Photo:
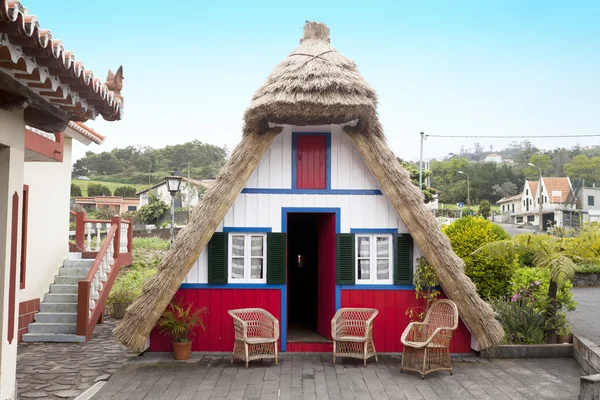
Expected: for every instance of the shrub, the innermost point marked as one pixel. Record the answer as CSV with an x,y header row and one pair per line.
x,y
129,283
589,268
125,191
152,211
522,322
425,288
75,190
105,212
96,189
490,276
485,209
180,322
534,283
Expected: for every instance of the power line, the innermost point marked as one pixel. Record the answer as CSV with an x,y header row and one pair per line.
x,y
512,137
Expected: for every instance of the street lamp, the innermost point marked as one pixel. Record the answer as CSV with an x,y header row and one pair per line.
x,y
468,190
173,186
540,199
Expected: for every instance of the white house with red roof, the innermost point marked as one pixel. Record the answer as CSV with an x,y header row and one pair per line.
x,y
45,95
554,194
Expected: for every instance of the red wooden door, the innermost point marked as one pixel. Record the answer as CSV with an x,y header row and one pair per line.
x,y
311,162
326,275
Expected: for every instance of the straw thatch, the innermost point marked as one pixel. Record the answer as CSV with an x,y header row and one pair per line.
x,y
313,85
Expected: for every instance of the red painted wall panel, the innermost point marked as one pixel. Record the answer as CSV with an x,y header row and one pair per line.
x,y
311,162
326,277
392,319
219,325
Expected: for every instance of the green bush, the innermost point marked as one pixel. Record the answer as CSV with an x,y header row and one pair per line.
x,y
75,190
534,282
105,212
152,211
492,277
125,191
589,268
522,322
128,284
96,189
485,209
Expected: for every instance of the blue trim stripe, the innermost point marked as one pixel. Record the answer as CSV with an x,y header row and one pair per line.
x,y
338,297
377,287
246,229
327,152
230,286
286,210
373,230
359,192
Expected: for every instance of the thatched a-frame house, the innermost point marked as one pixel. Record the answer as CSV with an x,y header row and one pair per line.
x,y
314,173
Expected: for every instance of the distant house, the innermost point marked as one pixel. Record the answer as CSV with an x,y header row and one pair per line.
x,y
588,201
190,192
556,197
509,206
117,203
493,157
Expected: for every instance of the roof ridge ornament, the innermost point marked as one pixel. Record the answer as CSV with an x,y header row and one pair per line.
x,y
313,56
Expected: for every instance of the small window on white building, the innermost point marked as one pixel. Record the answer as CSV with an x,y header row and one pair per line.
x,y
374,259
247,258
590,200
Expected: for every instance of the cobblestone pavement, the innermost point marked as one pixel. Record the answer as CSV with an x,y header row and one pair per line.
x,y
315,377
64,370
585,320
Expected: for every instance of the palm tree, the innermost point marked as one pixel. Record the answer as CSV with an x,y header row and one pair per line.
x,y
557,254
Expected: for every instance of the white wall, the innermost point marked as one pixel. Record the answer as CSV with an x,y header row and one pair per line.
x,y
12,135
48,222
348,171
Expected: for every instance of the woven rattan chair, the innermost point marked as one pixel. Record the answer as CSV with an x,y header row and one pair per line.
x,y
256,334
426,344
352,333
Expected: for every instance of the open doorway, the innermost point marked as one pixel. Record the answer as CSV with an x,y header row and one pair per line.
x,y
311,276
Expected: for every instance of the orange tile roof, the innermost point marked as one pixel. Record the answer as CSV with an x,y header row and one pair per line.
x,y
509,199
557,184
32,57
87,132
533,185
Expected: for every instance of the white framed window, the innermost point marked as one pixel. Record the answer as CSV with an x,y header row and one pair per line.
x,y
247,255
374,257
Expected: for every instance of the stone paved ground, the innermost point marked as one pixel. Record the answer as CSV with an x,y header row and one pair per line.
x,y
64,370
585,320
315,377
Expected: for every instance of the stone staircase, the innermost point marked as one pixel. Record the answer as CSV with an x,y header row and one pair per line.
x,y
57,319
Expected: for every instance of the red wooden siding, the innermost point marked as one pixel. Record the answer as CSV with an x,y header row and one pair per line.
x,y
326,284
392,319
219,325
311,162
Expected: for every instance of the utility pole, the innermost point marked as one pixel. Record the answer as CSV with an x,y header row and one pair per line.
x,y
421,164
540,199
468,191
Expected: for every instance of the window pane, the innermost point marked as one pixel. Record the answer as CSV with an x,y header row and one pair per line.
x,y
364,247
256,271
257,246
383,269
383,246
237,268
364,269
237,246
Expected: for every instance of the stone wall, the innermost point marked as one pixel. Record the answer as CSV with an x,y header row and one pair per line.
x,y
586,279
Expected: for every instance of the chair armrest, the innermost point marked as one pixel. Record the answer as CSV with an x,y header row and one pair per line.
x,y
412,327
275,329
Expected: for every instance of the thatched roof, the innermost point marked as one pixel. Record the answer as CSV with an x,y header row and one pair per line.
x,y
313,85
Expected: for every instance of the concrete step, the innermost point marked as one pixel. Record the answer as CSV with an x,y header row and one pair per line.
x,y
63,288
60,298
56,317
74,255
82,263
67,280
51,327
74,271
58,307
50,337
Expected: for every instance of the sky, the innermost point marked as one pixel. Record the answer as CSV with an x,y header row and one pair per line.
x,y
439,67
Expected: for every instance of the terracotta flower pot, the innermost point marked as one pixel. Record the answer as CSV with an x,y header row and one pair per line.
x,y
182,350
564,339
119,309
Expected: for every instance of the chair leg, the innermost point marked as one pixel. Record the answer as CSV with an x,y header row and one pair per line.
x,y
233,352
246,351
334,348
365,353
374,351
276,363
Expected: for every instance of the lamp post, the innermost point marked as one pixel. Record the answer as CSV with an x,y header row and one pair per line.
x,y
540,199
173,186
468,190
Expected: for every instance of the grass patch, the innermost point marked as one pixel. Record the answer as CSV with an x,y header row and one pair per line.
x,y
111,185
150,243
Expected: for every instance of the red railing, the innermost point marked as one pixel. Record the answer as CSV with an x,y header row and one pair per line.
x,y
111,253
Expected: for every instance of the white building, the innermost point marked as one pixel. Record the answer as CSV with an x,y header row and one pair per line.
x,y
509,206
556,197
493,157
42,86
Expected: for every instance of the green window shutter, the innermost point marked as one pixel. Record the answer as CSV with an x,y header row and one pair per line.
x,y
217,259
345,259
403,262
276,258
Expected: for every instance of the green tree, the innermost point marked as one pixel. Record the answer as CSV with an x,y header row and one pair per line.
x,y
506,189
75,190
584,167
151,212
413,170
485,209
125,191
542,161
96,189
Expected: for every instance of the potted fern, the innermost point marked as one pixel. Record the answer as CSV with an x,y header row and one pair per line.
x,y
180,323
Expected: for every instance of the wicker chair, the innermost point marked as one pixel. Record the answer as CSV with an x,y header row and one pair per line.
x,y
426,344
352,333
256,334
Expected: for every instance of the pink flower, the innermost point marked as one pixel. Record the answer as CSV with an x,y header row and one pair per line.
x,y
537,282
515,297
